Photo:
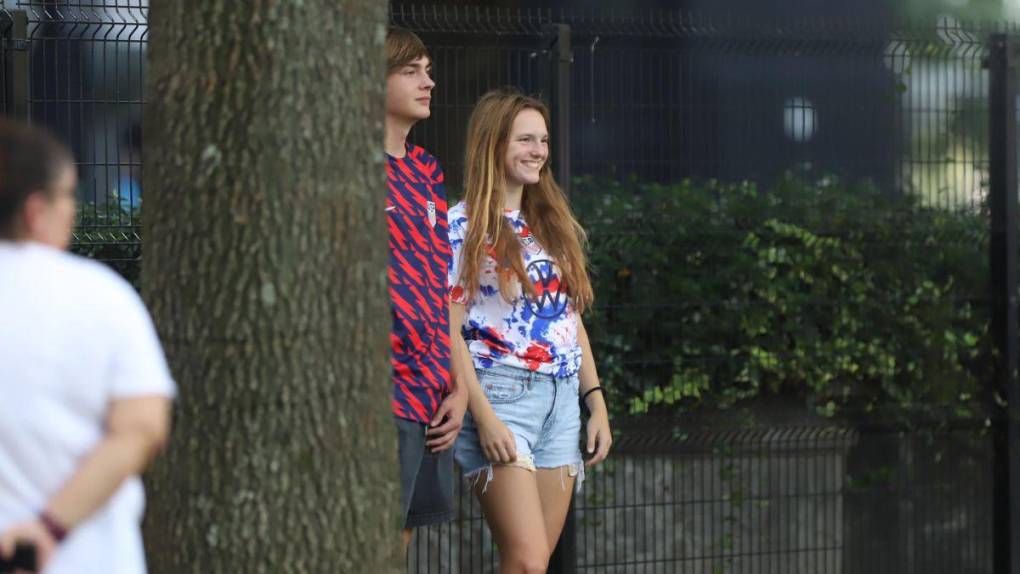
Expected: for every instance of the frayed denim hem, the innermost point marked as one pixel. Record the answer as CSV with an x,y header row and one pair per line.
x,y
471,478
574,469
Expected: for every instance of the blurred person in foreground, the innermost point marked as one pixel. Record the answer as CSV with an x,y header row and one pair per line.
x,y
85,392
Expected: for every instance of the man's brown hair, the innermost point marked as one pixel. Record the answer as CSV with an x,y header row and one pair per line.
x,y
402,47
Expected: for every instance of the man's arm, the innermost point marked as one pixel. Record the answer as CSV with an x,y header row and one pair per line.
x,y
446,424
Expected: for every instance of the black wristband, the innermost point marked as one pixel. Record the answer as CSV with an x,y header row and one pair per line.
x,y
57,530
584,397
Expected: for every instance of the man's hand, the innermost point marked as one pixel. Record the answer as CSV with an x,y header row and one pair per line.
x,y
445,425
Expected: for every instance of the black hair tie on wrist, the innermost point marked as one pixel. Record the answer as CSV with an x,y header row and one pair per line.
x,y
598,388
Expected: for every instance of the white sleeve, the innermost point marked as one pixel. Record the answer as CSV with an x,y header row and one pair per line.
x,y
137,365
457,223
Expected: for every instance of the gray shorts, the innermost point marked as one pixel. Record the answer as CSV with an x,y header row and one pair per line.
x,y
426,479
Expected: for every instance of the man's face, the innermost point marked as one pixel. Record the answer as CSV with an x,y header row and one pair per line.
x,y
50,216
409,91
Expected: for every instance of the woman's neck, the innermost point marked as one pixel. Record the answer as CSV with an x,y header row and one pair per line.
x,y
512,196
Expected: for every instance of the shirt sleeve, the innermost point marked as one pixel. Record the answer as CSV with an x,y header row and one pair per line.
x,y
138,366
458,228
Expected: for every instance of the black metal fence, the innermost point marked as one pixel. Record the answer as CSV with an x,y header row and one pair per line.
x,y
674,95
701,285
78,68
776,499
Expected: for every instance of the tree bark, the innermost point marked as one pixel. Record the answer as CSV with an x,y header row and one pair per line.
x,y
265,270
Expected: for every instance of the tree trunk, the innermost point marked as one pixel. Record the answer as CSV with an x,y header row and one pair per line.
x,y
265,269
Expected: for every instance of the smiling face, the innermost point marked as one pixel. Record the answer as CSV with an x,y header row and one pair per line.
x,y
527,148
409,91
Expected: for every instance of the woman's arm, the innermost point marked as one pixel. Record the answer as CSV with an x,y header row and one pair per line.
x,y
600,438
136,429
496,440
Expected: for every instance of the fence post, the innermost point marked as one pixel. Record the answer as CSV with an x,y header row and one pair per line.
x,y
564,557
1003,266
561,59
15,63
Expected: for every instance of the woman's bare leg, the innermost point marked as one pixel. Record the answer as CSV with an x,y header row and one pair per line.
x,y
555,486
513,509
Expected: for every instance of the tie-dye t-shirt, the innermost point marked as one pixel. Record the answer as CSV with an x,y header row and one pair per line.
x,y
536,334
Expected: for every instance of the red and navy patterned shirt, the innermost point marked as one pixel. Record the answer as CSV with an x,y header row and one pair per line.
x,y
419,258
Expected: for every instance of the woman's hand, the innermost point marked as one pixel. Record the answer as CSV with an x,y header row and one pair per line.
x,y
497,441
600,438
32,532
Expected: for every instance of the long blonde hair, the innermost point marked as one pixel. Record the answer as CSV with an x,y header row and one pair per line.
x,y
543,205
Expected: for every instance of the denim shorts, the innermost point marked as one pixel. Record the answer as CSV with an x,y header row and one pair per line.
x,y
541,411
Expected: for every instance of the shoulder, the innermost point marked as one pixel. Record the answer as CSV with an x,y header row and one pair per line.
x,y
457,215
459,209
96,278
457,221
425,162
420,154
68,266
69,278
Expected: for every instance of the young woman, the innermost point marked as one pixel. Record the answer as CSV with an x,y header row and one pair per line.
x,y
518,286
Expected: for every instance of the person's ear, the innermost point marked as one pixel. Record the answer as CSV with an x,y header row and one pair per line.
x,y
34,212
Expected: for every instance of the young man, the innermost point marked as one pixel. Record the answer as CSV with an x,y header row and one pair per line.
x,y
427,406
84,388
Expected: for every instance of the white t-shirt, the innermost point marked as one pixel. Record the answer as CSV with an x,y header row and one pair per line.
x,y
73,336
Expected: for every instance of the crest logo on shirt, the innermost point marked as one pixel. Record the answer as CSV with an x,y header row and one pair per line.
x,y
530,245
550,300
432,213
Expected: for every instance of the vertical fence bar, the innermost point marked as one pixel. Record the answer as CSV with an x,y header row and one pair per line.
x,y
6,31
561,59
1003,252
15,64
564,557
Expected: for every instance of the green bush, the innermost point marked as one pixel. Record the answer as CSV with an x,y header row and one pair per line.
x,y
709,294
109,234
